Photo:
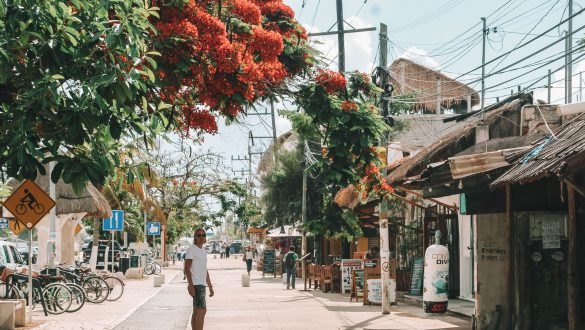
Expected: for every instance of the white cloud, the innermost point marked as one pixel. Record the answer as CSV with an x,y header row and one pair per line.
x,y
419,56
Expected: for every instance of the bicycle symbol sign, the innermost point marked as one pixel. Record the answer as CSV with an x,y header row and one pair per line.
x,y
29,203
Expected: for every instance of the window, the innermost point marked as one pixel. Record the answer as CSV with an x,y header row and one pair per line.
x,y
4,256
16,255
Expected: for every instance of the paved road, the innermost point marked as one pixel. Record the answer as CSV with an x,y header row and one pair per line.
x,y
266,304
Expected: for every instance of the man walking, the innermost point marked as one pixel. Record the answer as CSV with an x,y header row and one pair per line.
x,y
195,269
290,264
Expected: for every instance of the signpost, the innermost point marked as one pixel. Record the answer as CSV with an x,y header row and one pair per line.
x,y
153,228
112,224
29,204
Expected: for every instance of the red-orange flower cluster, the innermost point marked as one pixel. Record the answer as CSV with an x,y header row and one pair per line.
x,y
209,60
332,81
373,182
349,106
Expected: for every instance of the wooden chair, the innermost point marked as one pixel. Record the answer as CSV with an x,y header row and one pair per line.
x,y
318,273
326,278
311,274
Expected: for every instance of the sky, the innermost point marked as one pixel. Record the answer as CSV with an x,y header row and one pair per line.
x,y
445,35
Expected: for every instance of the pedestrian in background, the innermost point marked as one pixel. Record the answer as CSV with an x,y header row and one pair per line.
x,y
221,251
290,264
248,256
178,251
195,269
227,251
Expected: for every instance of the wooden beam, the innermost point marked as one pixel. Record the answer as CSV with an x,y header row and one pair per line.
x,y
509,229
573,270
569,181
450,207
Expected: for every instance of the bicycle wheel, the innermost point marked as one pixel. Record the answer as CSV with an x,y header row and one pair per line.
x,y
77,297
116,287
57,298
96,289
10,291
149,269
157,268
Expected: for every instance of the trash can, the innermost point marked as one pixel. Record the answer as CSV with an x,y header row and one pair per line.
x,y
124,264
134,262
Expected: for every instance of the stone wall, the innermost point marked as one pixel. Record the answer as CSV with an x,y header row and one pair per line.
x,y
532,119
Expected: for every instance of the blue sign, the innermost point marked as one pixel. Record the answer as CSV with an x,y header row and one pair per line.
x,y
153,228
3,223
115,222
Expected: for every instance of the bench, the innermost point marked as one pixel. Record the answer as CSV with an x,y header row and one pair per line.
x,y
12,313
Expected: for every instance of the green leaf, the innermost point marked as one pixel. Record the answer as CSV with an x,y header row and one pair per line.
x,y
57,170
57,77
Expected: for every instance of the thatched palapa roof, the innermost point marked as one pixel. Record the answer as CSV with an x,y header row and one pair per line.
x,y
89,201
286,141
430,85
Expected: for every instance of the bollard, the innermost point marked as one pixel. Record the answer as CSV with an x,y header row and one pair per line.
x,y
245,280
157,281
162,278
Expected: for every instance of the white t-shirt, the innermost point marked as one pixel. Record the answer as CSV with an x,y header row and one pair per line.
x,y
199,265
249,255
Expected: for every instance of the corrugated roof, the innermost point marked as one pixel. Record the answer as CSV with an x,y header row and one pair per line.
x,y
456,141
551,155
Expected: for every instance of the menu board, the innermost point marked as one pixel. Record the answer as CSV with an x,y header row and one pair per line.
x,y
347,268
416,277
268,261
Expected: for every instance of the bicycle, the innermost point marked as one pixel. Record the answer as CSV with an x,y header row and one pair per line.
x,y
95,289
152,267
55,297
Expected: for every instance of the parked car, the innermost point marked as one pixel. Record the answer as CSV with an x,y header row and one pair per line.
x,y
9,256
102,252
235,247
23,249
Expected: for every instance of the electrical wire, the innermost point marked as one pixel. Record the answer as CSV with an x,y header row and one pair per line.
x,y
525,36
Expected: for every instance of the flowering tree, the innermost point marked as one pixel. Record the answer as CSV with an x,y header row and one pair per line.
x,y
341,112
77,76
221,56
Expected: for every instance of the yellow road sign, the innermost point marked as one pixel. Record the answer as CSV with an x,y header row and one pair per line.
x,y
16,226
29,203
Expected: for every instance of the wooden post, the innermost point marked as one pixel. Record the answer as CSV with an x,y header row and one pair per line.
x,y
438,106
511,260
572,272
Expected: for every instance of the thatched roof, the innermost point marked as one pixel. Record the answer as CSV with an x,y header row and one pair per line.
x,y
89,201
502,121
409,77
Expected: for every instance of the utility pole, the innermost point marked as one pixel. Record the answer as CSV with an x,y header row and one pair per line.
x,y
340,36
483,65
341,31
383,214
569,58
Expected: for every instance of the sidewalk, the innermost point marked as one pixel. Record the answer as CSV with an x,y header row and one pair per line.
x,y
101,316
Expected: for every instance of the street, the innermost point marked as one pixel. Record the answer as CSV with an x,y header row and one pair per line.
x,y
266,304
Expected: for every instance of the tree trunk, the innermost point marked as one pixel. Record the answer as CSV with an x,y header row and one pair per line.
x,y
96,231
